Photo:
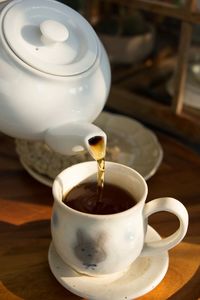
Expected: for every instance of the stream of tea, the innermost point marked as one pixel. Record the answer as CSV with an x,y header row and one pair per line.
x,y
97,198
98,151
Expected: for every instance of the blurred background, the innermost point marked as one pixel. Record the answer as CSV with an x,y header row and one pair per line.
x,y
154,50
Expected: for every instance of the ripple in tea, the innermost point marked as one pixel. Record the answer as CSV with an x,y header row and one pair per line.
x,y
84,198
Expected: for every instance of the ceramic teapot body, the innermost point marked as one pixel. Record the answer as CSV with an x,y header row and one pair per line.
x,y
34,103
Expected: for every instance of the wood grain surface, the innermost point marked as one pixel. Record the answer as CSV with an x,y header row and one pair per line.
x,y
25,211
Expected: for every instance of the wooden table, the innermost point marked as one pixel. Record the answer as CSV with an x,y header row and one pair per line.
x,y
25,210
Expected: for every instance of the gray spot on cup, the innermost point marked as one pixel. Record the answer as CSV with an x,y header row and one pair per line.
x,y
55,219
88,250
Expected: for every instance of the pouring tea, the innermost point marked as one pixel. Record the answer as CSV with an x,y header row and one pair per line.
x,y
55,75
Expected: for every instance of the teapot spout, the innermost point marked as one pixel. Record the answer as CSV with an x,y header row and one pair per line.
x,y
74,137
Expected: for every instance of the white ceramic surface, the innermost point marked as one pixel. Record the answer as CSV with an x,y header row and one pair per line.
x,y
50,37
46,85
129,143
95,244
143,276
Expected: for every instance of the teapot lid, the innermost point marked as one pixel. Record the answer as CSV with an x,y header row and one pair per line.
x,y
49,36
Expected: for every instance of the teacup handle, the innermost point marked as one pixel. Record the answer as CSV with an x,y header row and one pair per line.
x,y
175,207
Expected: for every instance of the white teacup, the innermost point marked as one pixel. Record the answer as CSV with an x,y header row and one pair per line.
x,y
97,245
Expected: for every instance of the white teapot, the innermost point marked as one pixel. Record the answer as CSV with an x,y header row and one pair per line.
x,y
54,75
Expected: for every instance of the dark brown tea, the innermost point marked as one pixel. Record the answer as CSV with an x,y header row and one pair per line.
x,y
84,198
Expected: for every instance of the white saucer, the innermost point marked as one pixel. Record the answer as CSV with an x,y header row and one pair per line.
x,y
143,276
39,177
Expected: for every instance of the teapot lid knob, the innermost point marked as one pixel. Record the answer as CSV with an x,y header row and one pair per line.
x,y
53,31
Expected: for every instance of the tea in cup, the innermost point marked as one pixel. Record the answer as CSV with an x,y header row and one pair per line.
x,y
105,238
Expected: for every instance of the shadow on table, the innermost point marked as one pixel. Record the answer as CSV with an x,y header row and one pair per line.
x,y
24,271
